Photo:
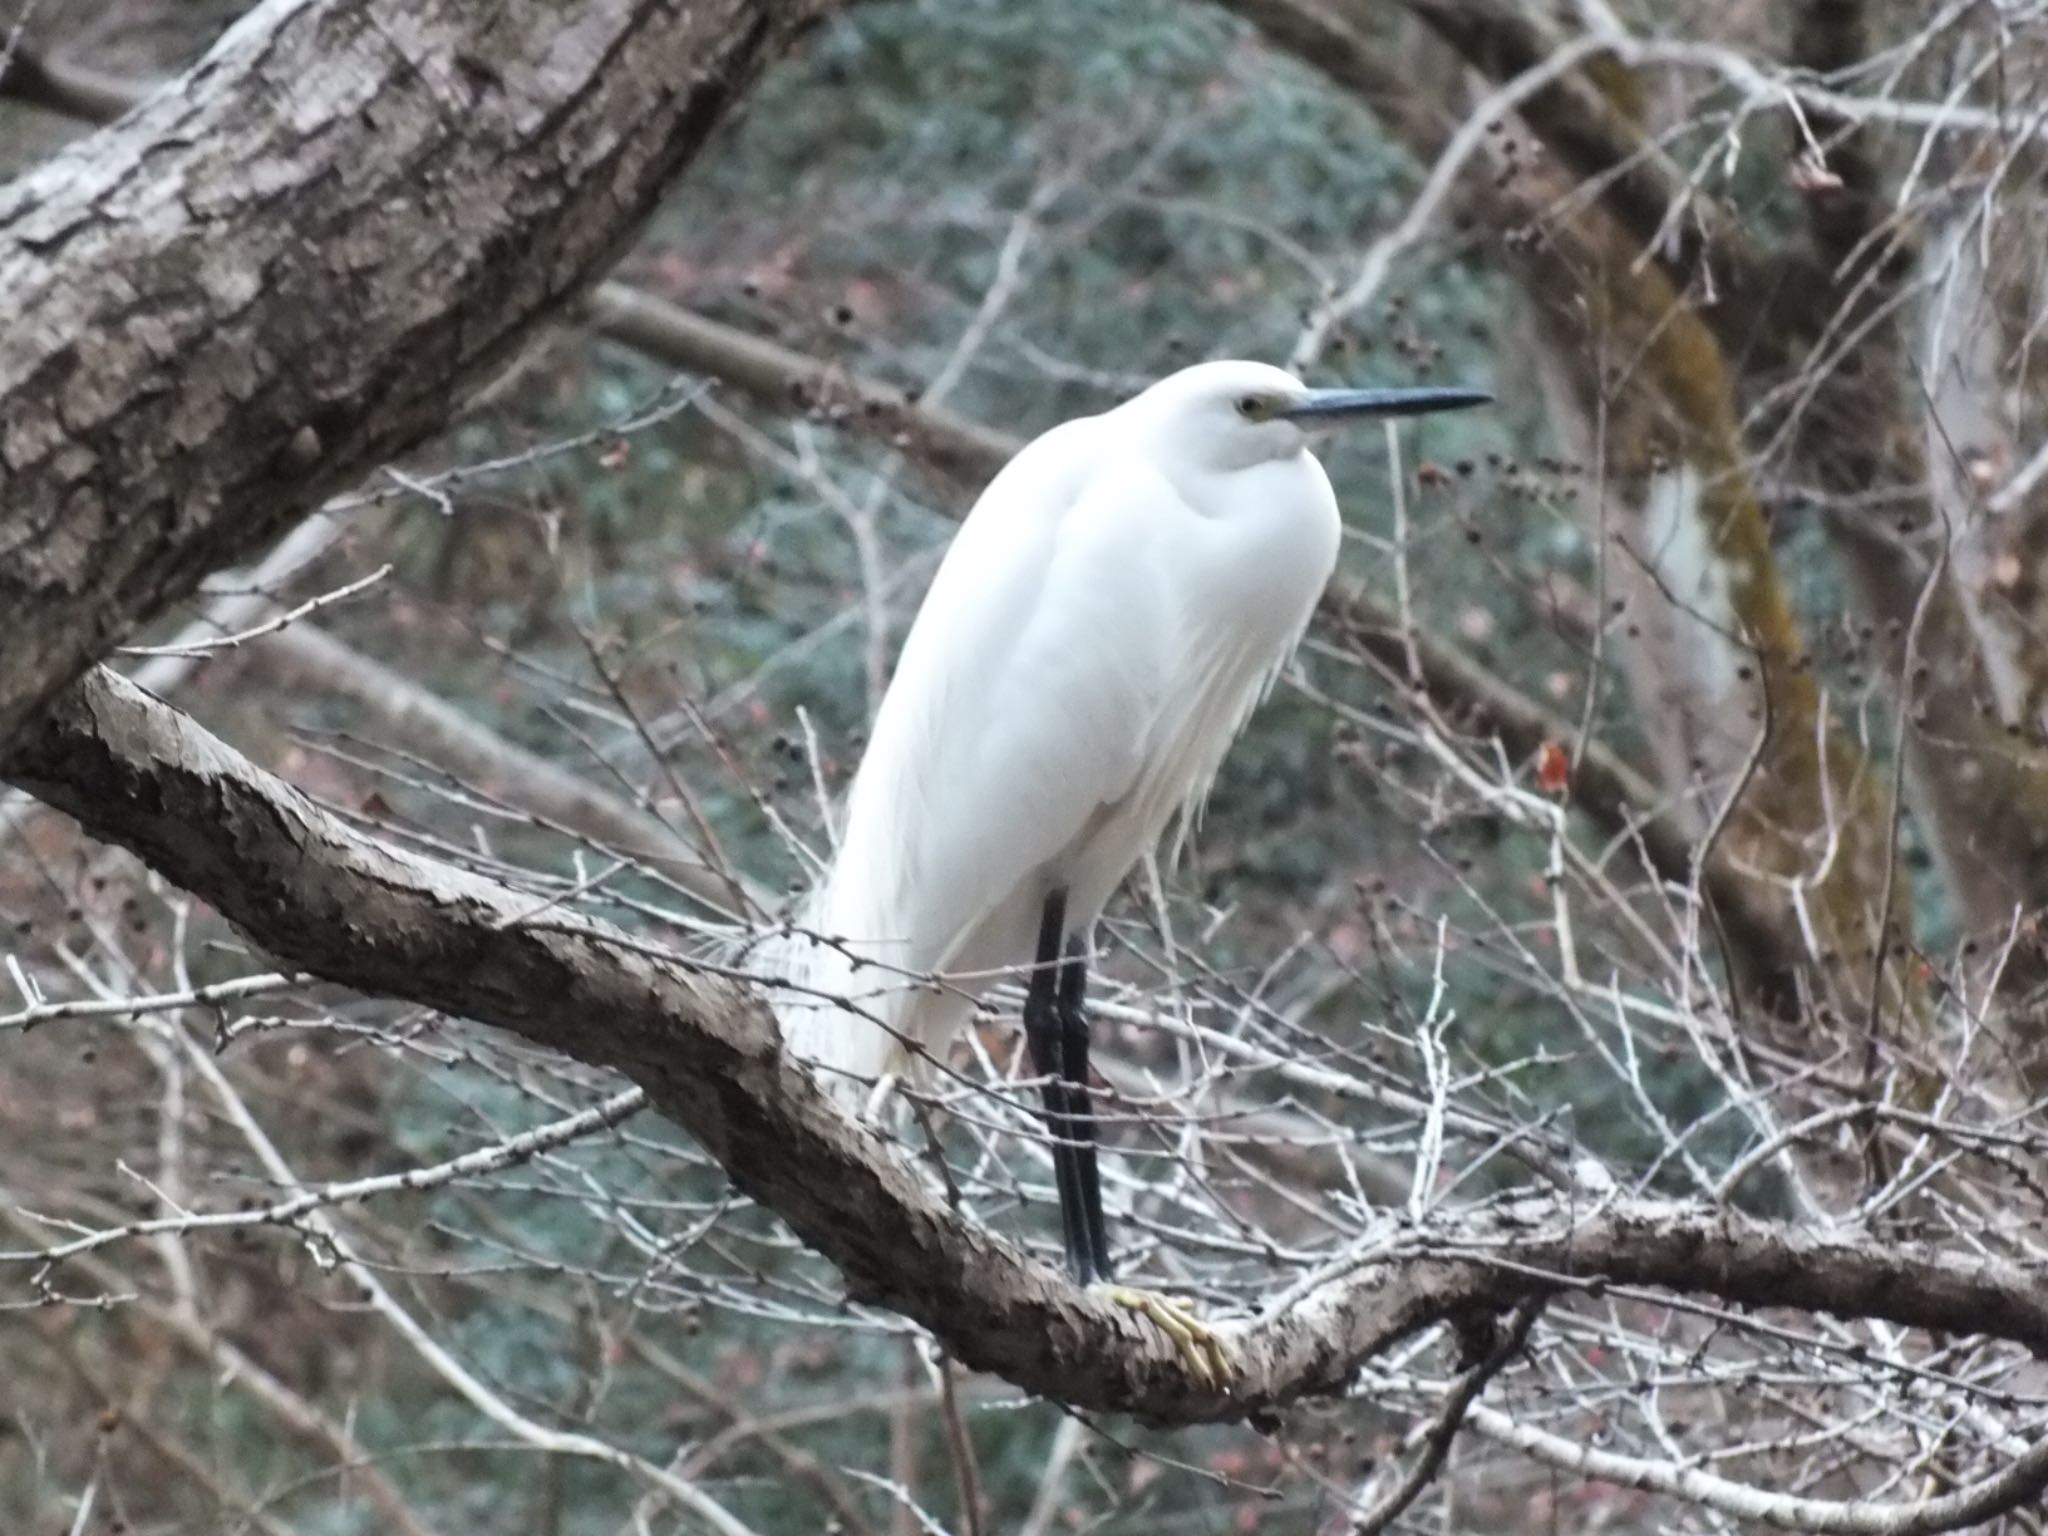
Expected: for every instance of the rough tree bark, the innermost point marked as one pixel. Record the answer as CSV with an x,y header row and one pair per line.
x,y
292,263
332,901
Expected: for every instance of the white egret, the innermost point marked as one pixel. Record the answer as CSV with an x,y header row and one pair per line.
x,y
1118,599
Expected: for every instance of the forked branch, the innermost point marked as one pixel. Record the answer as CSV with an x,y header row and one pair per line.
x,y
339,904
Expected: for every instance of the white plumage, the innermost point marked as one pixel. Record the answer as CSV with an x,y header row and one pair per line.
x,y
1110,611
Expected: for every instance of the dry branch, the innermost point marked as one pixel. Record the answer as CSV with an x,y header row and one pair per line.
x,y
456,742
963,449
1863,438
344,906
1690,236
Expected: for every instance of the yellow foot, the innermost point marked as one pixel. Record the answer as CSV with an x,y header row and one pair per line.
x,y
1176,1318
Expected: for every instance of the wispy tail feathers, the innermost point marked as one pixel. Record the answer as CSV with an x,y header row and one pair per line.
x,y
835,1010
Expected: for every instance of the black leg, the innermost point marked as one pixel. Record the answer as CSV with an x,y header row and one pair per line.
x,y
1074,1059
1045,1036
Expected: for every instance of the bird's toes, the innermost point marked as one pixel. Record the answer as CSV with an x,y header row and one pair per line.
x,y
1197,1343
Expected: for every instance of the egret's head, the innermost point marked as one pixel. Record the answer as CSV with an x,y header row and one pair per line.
x,y
1236,414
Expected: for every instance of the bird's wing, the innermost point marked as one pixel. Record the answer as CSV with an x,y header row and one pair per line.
x,y
1029,686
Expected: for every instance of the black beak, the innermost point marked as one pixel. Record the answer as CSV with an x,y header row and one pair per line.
x,y
1333,404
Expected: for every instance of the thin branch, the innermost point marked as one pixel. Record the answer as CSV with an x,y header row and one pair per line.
x,y
2018,1484
453,740
332,901
508,1153
270,626
1444,1428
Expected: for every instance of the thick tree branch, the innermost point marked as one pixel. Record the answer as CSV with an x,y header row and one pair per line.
x,y
1689,235
344,906
294,262
962,449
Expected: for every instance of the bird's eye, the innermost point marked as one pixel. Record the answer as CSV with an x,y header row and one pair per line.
x,y
1251,408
